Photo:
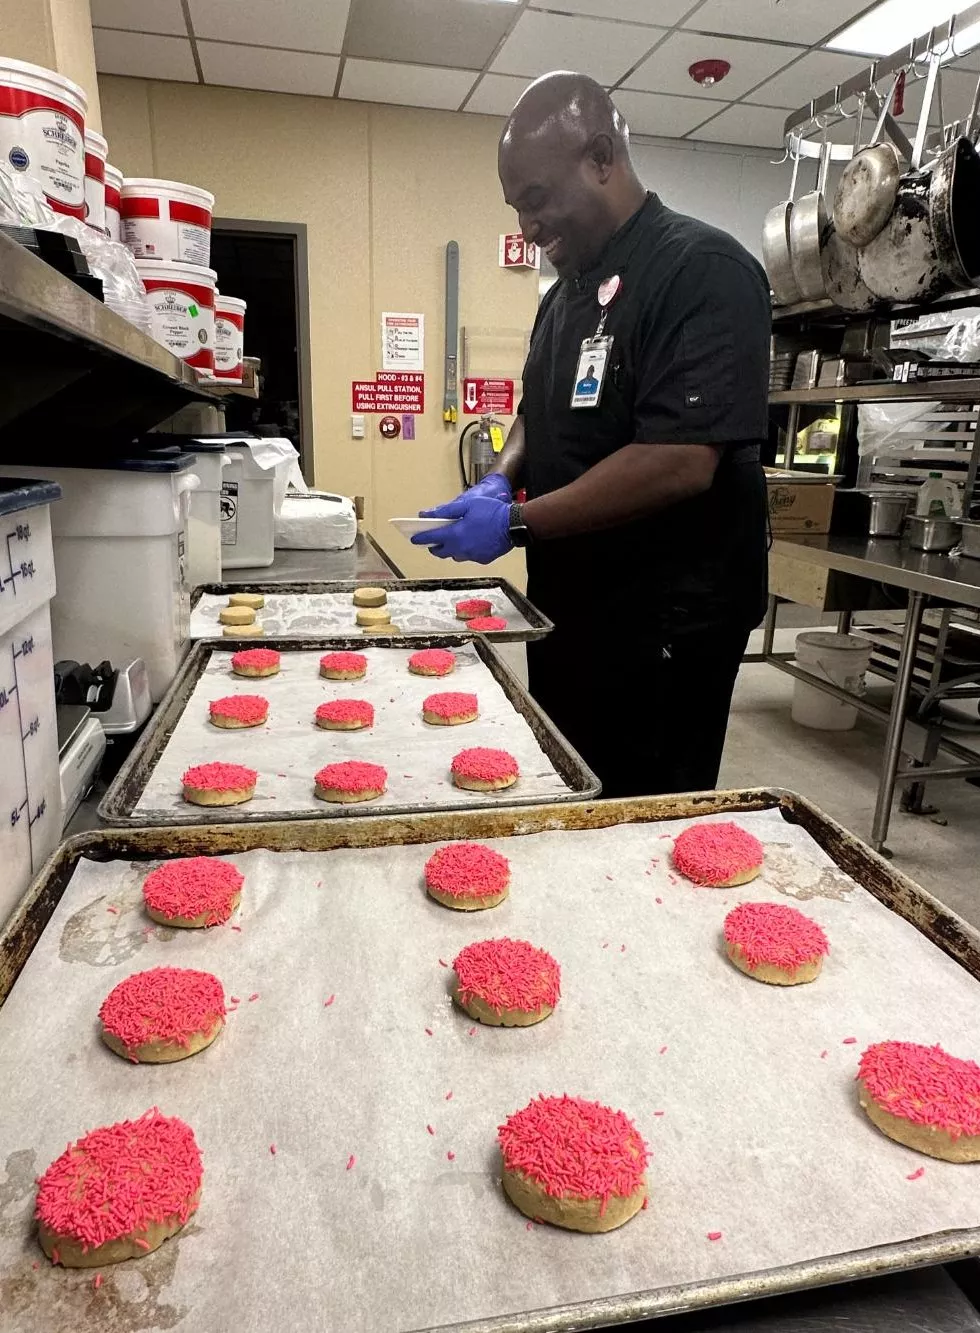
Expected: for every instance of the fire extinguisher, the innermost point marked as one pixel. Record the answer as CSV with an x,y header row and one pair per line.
x,y
481,455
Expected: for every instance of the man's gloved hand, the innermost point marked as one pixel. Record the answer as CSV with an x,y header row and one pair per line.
x,y
481,531
494,484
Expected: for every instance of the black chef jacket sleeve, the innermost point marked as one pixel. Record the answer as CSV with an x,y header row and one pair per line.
x,y
702,355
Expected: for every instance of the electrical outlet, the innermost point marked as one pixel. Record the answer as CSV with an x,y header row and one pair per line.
x,y
357,426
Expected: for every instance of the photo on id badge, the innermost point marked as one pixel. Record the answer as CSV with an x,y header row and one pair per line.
x,y
590,372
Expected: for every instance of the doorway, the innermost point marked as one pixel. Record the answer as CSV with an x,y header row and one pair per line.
x,y
265,264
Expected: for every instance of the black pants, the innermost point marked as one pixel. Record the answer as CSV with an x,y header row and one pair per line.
x,y
647,717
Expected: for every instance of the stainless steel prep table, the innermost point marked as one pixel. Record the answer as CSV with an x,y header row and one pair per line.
x,y
928,579
363,561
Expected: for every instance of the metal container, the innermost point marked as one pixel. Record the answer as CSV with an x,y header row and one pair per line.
x,y
970,538
886,513
932,534
871,512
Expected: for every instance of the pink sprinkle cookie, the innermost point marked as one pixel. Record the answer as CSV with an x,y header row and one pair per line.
x,y
119,1191
163,1015
573,1163
239,710
350,781
432,662
345,715
506,983
473,606
467,876
255,662
486,624
718,855
450,709
219,784
343,666
923,1097
192,891
775,943
481,769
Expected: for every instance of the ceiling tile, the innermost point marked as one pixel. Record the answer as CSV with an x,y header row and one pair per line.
x,y
137,16
815,73
417,31
744,124
665,71
496,94
272,71
778,20
405,85
656,113
298,25
543,42
143,57
663,14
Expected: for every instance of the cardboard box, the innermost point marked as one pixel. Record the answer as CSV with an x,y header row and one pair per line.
x,y
799,502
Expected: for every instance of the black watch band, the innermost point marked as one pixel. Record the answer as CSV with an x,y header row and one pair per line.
x,y
520,534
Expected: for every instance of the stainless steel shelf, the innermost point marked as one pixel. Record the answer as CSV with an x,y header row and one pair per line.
x,y
951,301
922,391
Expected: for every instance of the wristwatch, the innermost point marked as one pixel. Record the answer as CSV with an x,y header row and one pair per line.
x,y
520,533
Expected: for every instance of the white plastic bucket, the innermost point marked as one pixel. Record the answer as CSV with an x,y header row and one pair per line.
x,y
841,659
248,510
229,338
113,188
166,220
180,299
96,152
42,132
204,515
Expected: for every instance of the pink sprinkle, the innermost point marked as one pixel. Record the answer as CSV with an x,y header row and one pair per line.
x,y
234,999
443,963
714,1235
823,1055
849,1041
319,884
648,872
622,948
663,1050
658,1113
529,1226
238,929
450,1156
431,1130
654,860
917,1175
449,1095
35,1264
471,1032
147,930
272,1149
646,1204
428,1032
97,1281
606,945
143,1244
672,878
609,877
254,995
280,775
350,1161
113,910
659,902
327,1003
664,835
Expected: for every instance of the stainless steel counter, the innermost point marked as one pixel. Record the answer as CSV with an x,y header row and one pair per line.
x,y
364,560
954,579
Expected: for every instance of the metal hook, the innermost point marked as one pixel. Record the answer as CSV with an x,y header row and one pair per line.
x,y
839,109
778,161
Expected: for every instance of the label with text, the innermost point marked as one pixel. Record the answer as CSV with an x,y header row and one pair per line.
x,y
481,396
396,391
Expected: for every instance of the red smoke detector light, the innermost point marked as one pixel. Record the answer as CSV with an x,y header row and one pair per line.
x,y
708,72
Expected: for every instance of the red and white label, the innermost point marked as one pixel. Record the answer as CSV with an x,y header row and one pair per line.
x,y
182,319
390,391
44,139
229,349
166,229
481,396
95,191
513,251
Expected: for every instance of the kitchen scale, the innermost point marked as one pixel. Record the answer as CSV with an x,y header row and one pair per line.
x,y
81,746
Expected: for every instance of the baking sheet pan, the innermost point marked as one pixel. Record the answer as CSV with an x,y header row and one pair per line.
x,y
760,1137
418,607
289,749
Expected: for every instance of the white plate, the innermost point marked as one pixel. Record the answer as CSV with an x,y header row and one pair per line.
x,y
408,527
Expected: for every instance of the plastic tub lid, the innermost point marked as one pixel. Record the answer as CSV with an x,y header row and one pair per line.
x,y
23,493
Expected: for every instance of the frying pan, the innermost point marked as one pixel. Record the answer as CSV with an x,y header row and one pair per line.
x,y
868,185
838,257
775,245
806,227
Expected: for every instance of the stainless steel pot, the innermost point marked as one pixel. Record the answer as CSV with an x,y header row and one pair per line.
x,y
970,538
932,534
886,513
806,228
868,185
776,254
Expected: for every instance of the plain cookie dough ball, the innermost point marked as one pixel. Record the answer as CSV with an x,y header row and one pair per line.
x,y
370,597
253,599
243,631
236,615
373,615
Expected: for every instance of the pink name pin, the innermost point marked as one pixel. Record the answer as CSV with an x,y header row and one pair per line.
x,y
609,290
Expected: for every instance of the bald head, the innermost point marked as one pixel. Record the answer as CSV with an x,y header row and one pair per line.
x,y
564,164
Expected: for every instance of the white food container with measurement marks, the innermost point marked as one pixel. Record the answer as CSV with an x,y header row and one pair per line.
x,y
253,486
119,538
30,787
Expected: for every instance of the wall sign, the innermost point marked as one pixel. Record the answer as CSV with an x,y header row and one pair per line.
x,y
514,252
389,391
482,395
402,341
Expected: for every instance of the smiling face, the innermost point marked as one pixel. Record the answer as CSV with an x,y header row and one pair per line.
x,y
557,191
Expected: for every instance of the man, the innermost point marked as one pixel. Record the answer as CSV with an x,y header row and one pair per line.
x,y
645,523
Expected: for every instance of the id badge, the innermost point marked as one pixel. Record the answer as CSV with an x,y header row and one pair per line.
x,y
590,371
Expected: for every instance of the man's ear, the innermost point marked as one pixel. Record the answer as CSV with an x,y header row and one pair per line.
x,y
602,156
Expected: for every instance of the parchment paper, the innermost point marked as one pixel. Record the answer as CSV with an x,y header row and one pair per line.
x,y
320,614
760,1138
290,748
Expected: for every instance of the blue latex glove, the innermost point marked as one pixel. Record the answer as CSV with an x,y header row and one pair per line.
x,y
494,484
481,531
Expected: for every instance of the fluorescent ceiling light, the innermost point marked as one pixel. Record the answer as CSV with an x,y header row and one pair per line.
x,y
895,23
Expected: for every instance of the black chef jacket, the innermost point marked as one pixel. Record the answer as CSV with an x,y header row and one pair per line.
x,y
689,365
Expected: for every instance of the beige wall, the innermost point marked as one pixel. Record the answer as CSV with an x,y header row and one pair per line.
x,y
381,189
58,35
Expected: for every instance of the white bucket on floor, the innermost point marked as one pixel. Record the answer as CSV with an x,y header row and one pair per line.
x,y
42,129
113,188
180,299
229,338
96,152
841,659
167,220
